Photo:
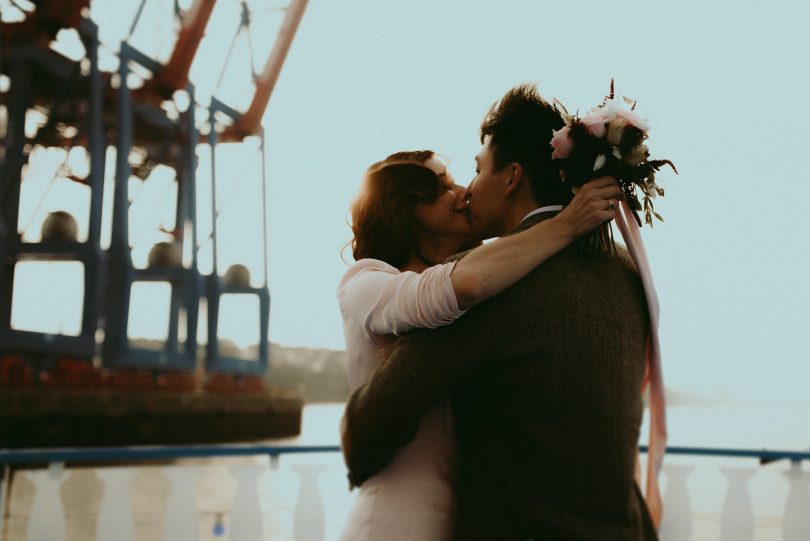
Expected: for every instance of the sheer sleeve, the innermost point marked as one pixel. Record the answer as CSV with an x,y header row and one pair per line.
x,y
383,300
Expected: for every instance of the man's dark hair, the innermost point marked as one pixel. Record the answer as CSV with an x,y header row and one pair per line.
x,y
520,124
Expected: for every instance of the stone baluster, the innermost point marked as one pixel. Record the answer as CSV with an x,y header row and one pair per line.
x,y
81,494
796,524
46,522
677,521
182,522
246,522
149,496
308,521
115,520
5,479
737,518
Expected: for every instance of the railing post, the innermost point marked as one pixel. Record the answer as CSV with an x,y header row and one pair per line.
x,y
309,515
81,492
737,518
46,521
796,524
182,522
246,516
5,484
115,520
677,522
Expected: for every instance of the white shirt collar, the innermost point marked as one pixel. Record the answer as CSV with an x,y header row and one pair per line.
x,y
549,208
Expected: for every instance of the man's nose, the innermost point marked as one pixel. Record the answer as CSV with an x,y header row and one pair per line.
x,y
468,192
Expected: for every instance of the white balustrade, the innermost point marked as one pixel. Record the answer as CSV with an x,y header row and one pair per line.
x,y
182,522
81,492
47,505
306,498
5,476
796,526
676,524
737,517
246,516
115,520
309,515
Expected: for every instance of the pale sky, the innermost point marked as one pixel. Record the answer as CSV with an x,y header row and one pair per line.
x,y
723,84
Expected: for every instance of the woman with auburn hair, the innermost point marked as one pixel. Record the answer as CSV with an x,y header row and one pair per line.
x,y
408,218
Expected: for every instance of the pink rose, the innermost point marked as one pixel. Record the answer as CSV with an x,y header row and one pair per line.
x,y
561,143
595,122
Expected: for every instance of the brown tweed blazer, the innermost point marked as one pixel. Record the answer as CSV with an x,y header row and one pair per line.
x,y
544,382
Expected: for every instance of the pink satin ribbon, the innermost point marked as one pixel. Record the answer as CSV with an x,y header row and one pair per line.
x,y
653,376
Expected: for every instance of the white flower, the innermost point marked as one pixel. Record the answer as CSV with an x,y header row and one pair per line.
x,y
616,108
612,107
616,130
633,119
599,162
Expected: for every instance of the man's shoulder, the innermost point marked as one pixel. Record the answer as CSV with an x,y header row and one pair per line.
x,y
624,259
621,257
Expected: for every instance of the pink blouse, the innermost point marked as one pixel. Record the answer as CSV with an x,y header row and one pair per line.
x,y
412,498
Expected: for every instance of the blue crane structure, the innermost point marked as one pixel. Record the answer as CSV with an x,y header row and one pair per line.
x,y
144,116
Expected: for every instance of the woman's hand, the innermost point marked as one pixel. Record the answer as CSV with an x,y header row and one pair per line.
x,y
592,205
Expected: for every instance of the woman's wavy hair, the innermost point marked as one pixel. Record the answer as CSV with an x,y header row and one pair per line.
x,y
383,221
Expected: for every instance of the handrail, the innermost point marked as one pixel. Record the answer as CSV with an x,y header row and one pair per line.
x,y
117,454
764,455
137,453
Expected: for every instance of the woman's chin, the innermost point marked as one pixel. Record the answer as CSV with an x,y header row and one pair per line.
x,y
468,244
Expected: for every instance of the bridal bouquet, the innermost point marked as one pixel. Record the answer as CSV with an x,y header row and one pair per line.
x,y
609,140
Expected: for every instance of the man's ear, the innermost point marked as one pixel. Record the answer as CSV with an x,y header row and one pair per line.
x,y
516,179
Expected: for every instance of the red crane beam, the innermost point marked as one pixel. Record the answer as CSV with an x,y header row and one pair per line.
x,y
250,122
174,75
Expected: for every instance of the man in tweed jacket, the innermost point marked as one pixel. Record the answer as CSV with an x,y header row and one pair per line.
x,y
544,379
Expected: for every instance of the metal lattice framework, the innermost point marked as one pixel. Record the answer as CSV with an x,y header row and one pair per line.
x,y
149,108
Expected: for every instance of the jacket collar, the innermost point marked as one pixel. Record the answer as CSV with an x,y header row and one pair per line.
x,y
534,219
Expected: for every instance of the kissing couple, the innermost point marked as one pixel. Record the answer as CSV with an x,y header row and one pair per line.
x,y
497,388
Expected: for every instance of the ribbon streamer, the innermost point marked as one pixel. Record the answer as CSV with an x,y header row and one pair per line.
x,y
653,376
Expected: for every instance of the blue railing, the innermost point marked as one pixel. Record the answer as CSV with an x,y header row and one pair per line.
x,y
709,493
126,454
764,455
